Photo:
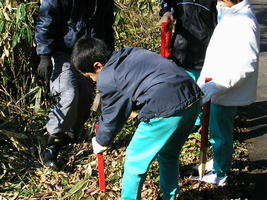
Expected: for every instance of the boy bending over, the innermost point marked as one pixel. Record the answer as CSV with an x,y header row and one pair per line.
x,y
168,101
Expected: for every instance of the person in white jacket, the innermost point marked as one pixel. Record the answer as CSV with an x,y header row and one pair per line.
x,y
232,62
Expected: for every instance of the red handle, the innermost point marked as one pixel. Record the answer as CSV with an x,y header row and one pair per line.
x,y
101,167
205,122
166,35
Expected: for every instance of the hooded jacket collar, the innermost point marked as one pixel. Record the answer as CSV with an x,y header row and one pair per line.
x,y
226,11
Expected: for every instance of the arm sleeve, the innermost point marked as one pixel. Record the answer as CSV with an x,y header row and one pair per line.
x,y
49,17
230,61
116,108
244,56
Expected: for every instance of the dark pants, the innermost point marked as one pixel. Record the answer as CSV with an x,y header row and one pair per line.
x,y
74,94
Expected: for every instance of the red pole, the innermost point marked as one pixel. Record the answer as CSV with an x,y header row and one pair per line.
x,y
166,34
204,136
205,122
101,167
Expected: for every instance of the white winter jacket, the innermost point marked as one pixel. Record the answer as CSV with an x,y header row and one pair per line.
x,y
232,56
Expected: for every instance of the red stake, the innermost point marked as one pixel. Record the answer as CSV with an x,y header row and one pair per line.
x,y
204,137
166,35
101,167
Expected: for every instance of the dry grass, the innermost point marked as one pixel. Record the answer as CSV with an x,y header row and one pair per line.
x,y
23,175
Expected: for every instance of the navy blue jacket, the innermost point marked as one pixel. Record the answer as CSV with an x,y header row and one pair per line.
x,y
138,79
62,22
195,23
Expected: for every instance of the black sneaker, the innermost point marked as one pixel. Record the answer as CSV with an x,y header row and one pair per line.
x,y
50,156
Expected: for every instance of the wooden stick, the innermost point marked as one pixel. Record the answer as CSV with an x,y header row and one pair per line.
x,y
204,137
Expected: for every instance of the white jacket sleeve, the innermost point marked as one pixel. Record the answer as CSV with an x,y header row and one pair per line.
x,y
232,54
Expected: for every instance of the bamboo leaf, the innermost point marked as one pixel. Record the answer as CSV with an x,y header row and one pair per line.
x,y
78,195
29,34
23,11
15,138
4,171
12,187
2,26
37,97
64,180
18,14
15,40
16,194
32,91
79,186
117,18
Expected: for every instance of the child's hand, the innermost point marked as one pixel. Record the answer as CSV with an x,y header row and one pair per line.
x,y
210,89
166,17
97,147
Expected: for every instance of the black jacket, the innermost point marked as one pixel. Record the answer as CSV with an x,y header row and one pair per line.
x,y
62,22
195,22
138,79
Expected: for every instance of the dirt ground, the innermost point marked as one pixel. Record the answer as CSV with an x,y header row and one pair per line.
x,y
254,131
254,135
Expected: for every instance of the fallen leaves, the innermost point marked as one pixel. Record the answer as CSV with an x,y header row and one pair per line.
x,y
24,177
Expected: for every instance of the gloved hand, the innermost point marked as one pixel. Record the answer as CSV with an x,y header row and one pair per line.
x,y
210,89
45,67
97,147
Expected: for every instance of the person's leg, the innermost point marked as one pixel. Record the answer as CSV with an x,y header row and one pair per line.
x,y
195,75
168,157
62,117
85,100
221,137
64,87
148,140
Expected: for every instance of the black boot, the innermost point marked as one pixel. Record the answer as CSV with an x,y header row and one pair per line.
x,y
69,139
50,157
51,151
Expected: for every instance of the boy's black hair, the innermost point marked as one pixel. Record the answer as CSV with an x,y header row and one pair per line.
x,y
87,51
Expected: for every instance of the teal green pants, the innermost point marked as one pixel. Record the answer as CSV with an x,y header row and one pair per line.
x,y
195,75
161,138
221,137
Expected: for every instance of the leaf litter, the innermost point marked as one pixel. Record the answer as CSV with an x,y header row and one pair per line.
x,y
23,176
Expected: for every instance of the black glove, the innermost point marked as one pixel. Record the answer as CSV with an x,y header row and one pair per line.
x,y
45,67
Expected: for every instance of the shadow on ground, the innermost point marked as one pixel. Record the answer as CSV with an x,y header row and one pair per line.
x,y
252,130
260,10
252,121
